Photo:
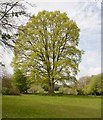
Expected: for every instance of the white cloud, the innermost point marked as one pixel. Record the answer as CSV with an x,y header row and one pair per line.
x,y
91,63
88,72
6,58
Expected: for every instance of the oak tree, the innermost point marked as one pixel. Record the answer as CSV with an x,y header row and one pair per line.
x,y
47,48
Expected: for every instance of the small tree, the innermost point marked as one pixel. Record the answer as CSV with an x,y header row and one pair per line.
x,y
21,81
83,81
7,86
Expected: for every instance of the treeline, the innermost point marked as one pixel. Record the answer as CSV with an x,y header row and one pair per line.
x,y
20,84
90,85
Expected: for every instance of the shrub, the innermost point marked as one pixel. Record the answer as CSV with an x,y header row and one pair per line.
x,y
14,91
6,82
45,87
5,91
10,91
80,92
36,89
32,90
8,88
56,87
66,90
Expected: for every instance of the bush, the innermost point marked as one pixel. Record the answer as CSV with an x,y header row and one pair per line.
x,y
56,87
45,87
66,90
14,91
6,82
10,91
32,90
80,92
36,89
5,91
8,88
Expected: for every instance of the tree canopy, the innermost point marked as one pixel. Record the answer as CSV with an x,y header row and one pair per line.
x,y
47,48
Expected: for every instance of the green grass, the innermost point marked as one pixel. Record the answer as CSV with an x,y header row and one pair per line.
x,y
38,106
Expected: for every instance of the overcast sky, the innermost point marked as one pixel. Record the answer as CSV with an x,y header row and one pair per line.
x,y
87,15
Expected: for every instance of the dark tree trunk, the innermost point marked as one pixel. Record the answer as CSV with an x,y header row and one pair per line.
x,y
26,91
51,86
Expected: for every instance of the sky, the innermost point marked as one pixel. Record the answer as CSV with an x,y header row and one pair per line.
x,y
87,15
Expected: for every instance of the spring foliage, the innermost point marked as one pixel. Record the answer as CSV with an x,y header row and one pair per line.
x,y
47,48
20,81
95,85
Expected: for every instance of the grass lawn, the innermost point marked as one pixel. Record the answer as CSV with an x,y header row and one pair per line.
x,y
38,106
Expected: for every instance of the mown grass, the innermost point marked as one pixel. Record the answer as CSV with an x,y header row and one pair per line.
x,y
38,106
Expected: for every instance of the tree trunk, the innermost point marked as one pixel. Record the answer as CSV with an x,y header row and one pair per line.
x,y
26,91
51,87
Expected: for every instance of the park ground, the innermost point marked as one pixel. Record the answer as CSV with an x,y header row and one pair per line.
x,y
41,106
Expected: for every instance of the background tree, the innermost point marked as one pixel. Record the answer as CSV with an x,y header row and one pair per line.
x,y
7,85
83,81
20,81
47,48
10,12
94,87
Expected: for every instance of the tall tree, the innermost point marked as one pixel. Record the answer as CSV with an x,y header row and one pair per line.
x,y
47,48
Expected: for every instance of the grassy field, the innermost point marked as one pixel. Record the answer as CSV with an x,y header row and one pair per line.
x,y
38,106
